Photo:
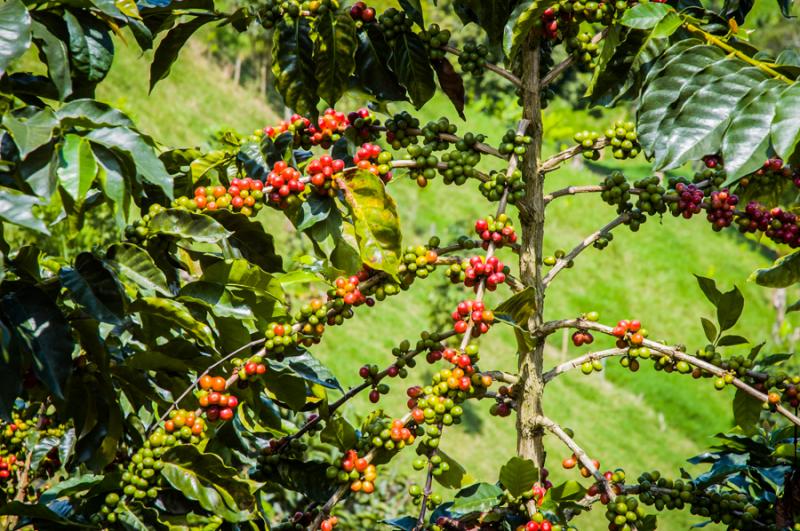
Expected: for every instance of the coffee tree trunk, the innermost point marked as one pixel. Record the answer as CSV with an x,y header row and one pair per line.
x,y
529,436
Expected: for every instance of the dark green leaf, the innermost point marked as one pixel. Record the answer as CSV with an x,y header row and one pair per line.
x,y
786,124
746,411
71,486
413,9
729,341
334,54
39,513
43,332
730,308
216,298
784,272
521,22
15,32
17,208
177,314
249,240
133,264
518,475
413,68
41,449
372,69
77,167
241,273
309,368
170,46
90,45
377,226
709,329
786,8
32,132
293,64
90,114
57,55
645,16
339,433
251,157
311,212
303,477
491,16
205,479
95,288
568,491
709,288
737,10
477,498
454,476
188,225
451,83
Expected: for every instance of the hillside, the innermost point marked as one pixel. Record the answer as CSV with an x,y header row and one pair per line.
x,y
637,421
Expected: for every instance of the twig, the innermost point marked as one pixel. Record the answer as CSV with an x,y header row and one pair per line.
x,y
672,352
577,362
403,163
427,492
573,190
502,376
566,63
555,161
447,137
589,240
502,72
556,430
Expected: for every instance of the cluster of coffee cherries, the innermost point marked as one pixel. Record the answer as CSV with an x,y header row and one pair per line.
x,y
542,524
558,254
616,191
287,184
623,140
328,524
772,175
388,434
322,172
473,57
651,196
370,373
269,13
629,333
394,23
425,164
218,404
397,130
777,224
572,462
584,50
499,231
360,12
416,492
249,368
436,39
493,188
8,466
550,19
491,271
721,208
582,337
474,313
513,143
279,337
463,360
329,128
243,195
355,470
364,122
372,158
460,165
687,200
587,139
184,424
433,131
625,513
417,262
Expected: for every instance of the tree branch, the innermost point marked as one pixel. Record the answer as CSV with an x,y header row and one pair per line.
x,y
427,492
555,161
566,63
502,72
589,240
580,360
670,351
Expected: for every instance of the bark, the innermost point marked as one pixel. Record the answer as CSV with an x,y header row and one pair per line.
x,y
529,435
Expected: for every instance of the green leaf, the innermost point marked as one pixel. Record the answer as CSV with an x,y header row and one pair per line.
x,y
746,411
307,367
311,212
170,46
303,477
91,114
205,479
188,225
70,486
334,54
33,132
709,329
645,16
95,288
491,16
133,516
41,449
785,128
730,308
709,288
339,433
452,84
732,340
133,264
216,298
454,477
570,490
177,314
57,55
15,32
43,332
520,307
90,45
372,70
241,273
477,498
377,226
209,161
132,144
293,64
784,272
413,68
17,209
77,167
667,26
39,513
249,240
413,10
518,475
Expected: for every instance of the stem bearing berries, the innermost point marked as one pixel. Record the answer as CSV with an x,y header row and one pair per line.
x,y
436,39
720,209
394,23
8,467
419,262
347,290
313,315
689,200
584,50
472,313
493,188
372,158
582,337
354,470
629,333
279,337
250,368
185,425
286,185
617,191
625,513
587,139
361,13
321,173
397,130
651,196
514,143
473,58
490,270
425,164
623,140
499,231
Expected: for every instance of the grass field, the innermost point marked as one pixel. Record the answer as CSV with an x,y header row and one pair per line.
x,y
637,421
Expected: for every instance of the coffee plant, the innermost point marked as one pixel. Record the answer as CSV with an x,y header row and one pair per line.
x,y
165,378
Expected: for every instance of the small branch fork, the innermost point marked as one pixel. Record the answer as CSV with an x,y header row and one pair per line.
x,y
584,459
589,240
427,492
672,352
554,162
561,67
502,72
577,362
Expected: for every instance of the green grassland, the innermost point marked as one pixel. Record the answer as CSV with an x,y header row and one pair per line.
x,y
637,421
